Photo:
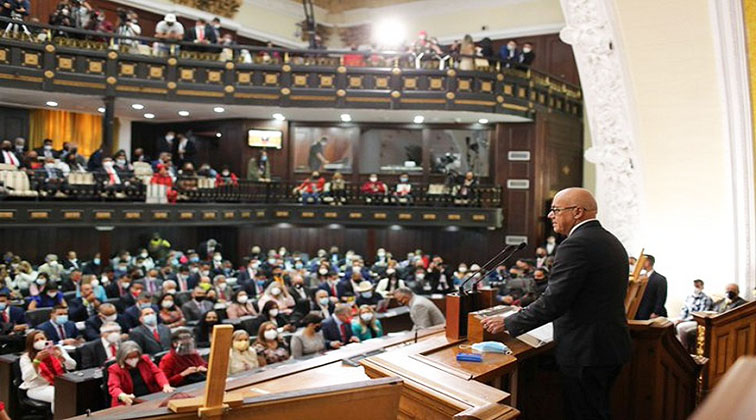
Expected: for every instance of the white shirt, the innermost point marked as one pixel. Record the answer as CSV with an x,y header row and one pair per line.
x,y
30,376
106,345
580,224
10,158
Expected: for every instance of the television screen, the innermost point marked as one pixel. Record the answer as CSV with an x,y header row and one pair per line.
x,y
264,138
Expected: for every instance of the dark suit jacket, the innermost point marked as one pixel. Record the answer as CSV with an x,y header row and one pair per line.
x,y
654,297
142,336
202,250
331,331
17,315
93,324
190,35
92,354
585,300
51,331
19,158
41,152
77,311
132,314
164,146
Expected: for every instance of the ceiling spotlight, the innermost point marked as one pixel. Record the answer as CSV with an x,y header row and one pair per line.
x,y
149,116
419,119
218,135
219,109
389,33
51,103
138,107
483,121
183,113
101,110
346,117
278,116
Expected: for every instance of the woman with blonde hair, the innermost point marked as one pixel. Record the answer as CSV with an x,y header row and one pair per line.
x,y
279,294
269,344
242,356
366,326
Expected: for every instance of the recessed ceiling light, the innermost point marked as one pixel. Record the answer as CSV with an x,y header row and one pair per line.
x,y
183,113
419,119
219,135
346,117
278,116
149,116
101,110
51,103
483,121
138,107
219,109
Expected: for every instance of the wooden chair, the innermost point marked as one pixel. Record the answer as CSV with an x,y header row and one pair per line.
x,y
636,287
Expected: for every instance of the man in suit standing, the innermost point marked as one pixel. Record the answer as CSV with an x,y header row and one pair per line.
x,y
652,304
96,353
152,337
202,34
208,248
59,329
585,300
423,312
337,330
167,143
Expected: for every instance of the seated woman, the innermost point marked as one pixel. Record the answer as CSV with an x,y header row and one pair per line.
x,y
40,365
24,278
403,191
388,284
366,326
311,188
134,375
465,191
226,178
240,306
170,313
373,191
163,177
49,297
242,357
279,294
336,189
183,365
271,313
308,340
270,345
204,329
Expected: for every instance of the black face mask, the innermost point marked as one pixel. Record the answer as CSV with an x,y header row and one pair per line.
x,y
317,329
731,295
199,298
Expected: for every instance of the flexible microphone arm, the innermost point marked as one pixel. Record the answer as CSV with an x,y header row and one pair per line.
x,y
472,273
515,251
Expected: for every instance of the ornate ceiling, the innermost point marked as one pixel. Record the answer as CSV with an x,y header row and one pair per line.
x,y
337,6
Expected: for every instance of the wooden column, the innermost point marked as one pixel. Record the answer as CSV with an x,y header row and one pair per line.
x,y
108,126
215,390
106,240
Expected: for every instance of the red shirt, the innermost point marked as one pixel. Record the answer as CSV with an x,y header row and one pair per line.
x,y
173,364
310,186
119,379
376,187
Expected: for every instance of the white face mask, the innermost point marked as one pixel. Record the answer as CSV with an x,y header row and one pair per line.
x,y
271,334
132,362
94,283
167,304
111,318
373,179
113,338
40,345
390,271
367,317
273,313
323,271
217,258
243,299
526,50
275,291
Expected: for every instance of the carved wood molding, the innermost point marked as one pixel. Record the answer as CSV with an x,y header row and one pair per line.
x,y
225,8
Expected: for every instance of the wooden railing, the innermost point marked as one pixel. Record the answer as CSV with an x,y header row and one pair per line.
x,y
723,338
735,397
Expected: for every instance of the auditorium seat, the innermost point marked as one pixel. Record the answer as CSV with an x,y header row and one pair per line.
x,y
32,409
81,184
38,316
156,194
17,183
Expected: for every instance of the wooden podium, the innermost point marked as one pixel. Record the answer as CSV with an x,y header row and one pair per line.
x,y
459,306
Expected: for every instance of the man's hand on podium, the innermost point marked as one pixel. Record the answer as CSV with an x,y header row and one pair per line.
x,y
495,323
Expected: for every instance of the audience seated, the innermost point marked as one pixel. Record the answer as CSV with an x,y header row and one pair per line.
x,y
183,365
134,375
366,325
149,335
95,353
322,304
240,306
105,313
134,312
309,340
48,297
269,312
686,327
170,314
59,329
203,332
374,191
337,329
732,299
387,285
197,306
12,326
311,188
242,357
269,344
280,295
365,294
41,363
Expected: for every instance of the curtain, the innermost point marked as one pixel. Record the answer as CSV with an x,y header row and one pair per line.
x,y
83,130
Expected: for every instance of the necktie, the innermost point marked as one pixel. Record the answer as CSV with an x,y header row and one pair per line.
x,y
61,332
5,317
183,284
333,289
343,333
156,334
112,351
200,34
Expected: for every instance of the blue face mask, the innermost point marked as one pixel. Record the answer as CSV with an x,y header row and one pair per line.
x,y
3,305
491,347
150,320
96,261
367,295
194,259
144,305
61,319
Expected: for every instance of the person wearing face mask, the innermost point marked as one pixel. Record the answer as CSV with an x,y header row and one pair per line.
x,y
242,357
279,294
143,301
686,326
197,306
373,191
170,314
96,353
309,340
85,305
183,365
25,277
105,313
204,330
241,306
509,54
387,285
732,299
119,289
12,325
52,267
9,156
226,178
59,329
207,249
365,294
134,375
366,325
222,290
151,336
336,189
121,163
337,329
403,191
460,275
525,59
655,296
40,364
270,312
322,304
94,266
50,179
269,345
311,188
298,292
48,297
47,150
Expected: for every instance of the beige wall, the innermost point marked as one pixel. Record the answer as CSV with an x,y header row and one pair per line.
x,y
687,207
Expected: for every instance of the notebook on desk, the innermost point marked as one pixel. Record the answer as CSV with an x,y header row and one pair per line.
x,y
538,337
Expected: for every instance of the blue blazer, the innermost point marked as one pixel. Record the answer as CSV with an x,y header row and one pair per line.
x,y
133,313
331,331
94,323
51,331
17,315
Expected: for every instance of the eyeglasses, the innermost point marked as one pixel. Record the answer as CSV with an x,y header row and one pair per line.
x,y
557,210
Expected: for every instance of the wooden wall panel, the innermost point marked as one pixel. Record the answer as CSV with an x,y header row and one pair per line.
x,y
14,122
553,56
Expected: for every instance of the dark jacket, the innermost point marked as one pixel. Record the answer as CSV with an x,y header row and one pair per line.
x,y
331,331
143,336
51,331
92,354
653,298
93,324
585,300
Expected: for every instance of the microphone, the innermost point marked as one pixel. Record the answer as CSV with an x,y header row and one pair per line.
x,y
512,254
472,273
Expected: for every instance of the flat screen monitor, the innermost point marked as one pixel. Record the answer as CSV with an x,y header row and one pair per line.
x,y
264,138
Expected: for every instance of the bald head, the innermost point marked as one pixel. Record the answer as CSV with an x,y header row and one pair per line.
x,y
570,207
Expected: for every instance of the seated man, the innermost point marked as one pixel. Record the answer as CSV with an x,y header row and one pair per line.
x,y
133,312
733,299
130,298
12,326
183,365
50,178
84,306
373,191
152,337
403,190
311,188
322,304
465,191
423,312
59,329
96,353
50,298
105,313
197,306
337,330
365,294
687,328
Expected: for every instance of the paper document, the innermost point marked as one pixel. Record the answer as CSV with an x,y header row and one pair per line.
x,y
539,336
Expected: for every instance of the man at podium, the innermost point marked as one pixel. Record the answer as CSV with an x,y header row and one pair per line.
x,y
585,300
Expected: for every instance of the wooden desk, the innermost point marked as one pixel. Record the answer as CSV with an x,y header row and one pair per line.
x,y
76,392
7,391
395,319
